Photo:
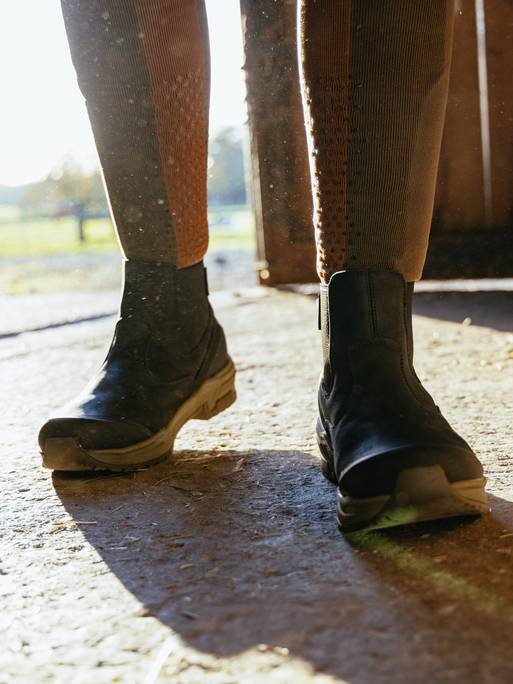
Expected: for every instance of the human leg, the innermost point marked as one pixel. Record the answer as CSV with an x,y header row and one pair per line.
x,y
143,68
374,79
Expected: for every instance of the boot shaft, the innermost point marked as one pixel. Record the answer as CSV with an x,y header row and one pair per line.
x,y
167,300
362,305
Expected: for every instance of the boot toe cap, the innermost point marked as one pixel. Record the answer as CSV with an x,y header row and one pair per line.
x,y
378,475
94,433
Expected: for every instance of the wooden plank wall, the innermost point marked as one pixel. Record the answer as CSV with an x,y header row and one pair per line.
x,y
279,158
499,38
470,236
459,201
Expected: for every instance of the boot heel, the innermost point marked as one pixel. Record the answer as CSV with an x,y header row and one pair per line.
x,y
326,454
217,394
210,409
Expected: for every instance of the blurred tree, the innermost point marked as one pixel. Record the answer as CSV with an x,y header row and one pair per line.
x,y
78,194
36,199
70,191
67,191
226,177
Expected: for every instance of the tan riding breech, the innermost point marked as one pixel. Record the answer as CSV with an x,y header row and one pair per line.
x,y
374,82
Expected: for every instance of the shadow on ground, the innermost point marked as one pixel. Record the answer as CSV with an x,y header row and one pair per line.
x,y
492,309
232,549
489,308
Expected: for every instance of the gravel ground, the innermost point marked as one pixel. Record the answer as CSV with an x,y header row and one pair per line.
x,y
224,564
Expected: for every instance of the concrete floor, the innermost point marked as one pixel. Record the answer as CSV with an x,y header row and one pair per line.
x,y
224,564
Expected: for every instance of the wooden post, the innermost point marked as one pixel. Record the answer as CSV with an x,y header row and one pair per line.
x,y
459,202
279,160
472,233
499,57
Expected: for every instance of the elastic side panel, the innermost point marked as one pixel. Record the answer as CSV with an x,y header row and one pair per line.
x,y
350,314
389,301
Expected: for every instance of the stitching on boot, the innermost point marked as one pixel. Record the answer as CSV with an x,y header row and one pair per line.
x,y
372,301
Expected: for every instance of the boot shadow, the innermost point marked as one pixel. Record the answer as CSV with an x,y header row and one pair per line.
x,y
232,549
491,309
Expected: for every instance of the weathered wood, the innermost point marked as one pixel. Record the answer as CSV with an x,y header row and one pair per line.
x,y
279,160
459,201
468,238
499,43
470,254
471,236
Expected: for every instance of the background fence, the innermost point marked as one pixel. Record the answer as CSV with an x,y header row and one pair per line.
x,y
472,233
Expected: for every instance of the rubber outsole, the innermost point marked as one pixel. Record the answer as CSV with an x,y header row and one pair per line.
x,y
420,494
215,395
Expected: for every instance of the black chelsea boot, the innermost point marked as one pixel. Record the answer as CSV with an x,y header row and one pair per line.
x,y
384,442
167,363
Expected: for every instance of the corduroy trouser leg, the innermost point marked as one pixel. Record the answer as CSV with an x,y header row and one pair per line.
x,y
143,67
374,78
375,75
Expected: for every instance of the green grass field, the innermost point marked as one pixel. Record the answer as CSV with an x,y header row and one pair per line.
x,y
230,228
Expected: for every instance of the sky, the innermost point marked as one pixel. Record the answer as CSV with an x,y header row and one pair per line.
x,y
42,113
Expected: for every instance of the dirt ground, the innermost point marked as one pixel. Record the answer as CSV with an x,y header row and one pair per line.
x,y
224,565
